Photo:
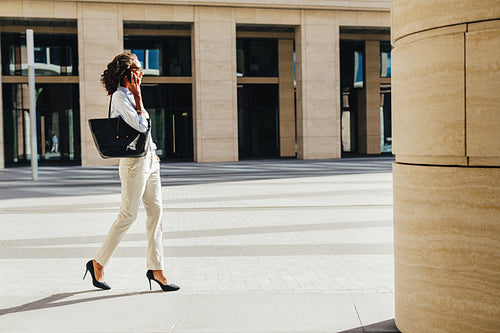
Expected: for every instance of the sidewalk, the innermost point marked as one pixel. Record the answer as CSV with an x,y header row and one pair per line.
x,y
261,246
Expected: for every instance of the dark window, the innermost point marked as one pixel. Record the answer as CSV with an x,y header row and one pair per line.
x,y
257,57
352,63
162,56
54,54
258,120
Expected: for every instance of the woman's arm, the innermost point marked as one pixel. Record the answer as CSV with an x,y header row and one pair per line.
x,y
134,87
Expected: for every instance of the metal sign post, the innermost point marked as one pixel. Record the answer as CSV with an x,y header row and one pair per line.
x,y
31,87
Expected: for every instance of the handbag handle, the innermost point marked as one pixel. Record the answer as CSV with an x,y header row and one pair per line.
x,y
109,116
109,108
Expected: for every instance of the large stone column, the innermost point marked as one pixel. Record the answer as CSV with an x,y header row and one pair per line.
x,y
214,85
318,95
446,129
100,39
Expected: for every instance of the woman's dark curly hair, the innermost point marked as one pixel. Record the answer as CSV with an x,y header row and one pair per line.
x,y
117,69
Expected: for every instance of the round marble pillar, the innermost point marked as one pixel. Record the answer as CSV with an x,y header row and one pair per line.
x,y
446,134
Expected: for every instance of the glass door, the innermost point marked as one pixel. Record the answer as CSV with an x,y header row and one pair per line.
x,y
58,123
258,120
385,119
170,109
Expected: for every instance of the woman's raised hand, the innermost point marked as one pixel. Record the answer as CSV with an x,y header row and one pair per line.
x,y
135,84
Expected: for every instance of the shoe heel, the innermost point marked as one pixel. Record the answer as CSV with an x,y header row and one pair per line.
x,y
164,287
90,268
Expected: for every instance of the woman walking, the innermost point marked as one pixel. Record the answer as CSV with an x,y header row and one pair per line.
x,y
140,177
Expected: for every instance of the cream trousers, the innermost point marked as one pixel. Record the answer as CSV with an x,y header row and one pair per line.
x,y
140,179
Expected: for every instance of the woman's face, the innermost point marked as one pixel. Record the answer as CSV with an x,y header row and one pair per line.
x,y
137,69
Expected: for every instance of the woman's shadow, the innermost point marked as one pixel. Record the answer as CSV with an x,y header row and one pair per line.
x,y
55,300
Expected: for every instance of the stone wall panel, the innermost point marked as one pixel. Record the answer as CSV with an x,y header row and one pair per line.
x,y
409,16
447,254
483,92
429,90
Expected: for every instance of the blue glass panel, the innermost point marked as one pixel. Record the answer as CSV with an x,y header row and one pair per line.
x,y
153,62
389,64
140,56
385,59
358,69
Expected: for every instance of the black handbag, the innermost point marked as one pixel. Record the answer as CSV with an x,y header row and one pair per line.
x,y
113,137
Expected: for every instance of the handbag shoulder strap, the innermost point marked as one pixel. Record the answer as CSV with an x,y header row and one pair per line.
x,y
109,108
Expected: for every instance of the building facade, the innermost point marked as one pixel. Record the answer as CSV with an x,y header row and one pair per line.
x,y
224,80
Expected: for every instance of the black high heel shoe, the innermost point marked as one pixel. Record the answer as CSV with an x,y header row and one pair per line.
x,y
102,285
164,287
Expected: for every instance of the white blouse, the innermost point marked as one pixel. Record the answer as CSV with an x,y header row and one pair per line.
x,y
123,105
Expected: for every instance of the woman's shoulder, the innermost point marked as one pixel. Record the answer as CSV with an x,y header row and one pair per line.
x,y
120,91
121,94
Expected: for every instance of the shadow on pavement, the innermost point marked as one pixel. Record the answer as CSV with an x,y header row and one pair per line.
x,y
387,326
54,300
77,180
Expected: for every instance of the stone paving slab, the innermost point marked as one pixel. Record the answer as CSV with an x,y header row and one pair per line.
x,y
99,311
285,254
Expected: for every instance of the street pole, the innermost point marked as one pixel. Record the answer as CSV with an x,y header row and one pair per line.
x,y
31,87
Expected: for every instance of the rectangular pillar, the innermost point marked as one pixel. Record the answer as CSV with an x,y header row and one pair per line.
x,y
100,39
214,85
2,142
287,98
369,102
318,91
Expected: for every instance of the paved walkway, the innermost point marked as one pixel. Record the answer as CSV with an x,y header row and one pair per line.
x,y
260,246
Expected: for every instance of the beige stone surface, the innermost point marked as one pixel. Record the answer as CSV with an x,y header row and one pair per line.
x,y
141,12
447,253
410,16
484,161
428,96
287,146
39,9
267,16
214,85
286,98
438,32
318,130
432,160
12,8
216,128
155,12
483,92
318,114
370,114
446,218
318,147
100,31
372,5
363,18
215,150
484,25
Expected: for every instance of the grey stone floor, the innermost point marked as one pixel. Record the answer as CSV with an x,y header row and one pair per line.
x,y
258,246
